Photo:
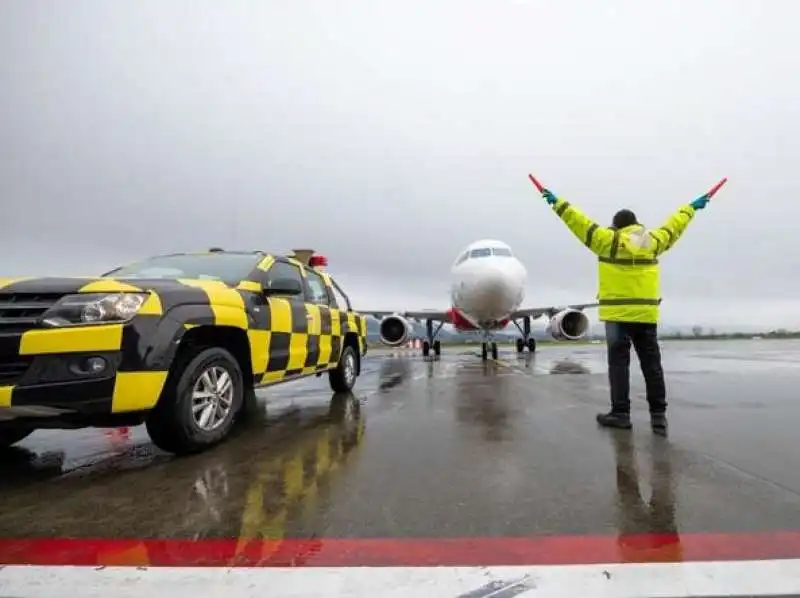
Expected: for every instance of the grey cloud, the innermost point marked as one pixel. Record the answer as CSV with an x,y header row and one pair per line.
x,y
391,136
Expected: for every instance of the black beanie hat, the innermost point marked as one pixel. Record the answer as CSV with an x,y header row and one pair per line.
x,y
624,218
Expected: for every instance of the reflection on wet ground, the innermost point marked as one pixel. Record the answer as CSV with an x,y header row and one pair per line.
x,y
448,448
255,485
655,517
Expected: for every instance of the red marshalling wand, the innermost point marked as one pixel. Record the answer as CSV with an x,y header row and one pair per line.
x,y
716,188
536,183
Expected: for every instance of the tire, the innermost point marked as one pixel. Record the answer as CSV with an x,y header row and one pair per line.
x,y
343,378
172,425
10,436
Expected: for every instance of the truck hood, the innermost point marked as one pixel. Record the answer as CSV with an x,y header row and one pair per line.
x,y
66,286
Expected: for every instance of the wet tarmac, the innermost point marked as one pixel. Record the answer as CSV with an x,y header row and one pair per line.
x,y
452,448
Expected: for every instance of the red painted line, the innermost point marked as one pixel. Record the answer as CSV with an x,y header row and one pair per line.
x,y
350,552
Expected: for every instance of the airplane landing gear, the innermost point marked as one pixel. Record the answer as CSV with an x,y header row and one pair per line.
x,y
527,340
487,346
427,346
429,343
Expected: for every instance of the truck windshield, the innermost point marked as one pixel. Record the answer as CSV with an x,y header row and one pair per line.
x,y
227,267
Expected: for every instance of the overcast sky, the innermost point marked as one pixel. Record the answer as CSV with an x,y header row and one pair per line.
x,y
390,135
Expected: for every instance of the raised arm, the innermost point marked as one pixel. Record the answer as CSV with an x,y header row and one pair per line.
x,y
597,238
668,234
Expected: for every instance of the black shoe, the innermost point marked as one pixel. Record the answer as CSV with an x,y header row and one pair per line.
x,y
614,420
658,422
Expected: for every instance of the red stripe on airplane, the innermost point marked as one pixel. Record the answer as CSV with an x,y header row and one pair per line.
x,y
351,552
459,322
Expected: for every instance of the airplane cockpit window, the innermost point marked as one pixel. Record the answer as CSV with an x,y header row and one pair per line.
x,y
482,252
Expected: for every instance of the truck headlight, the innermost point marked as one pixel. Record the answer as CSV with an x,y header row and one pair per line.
x,y
94,308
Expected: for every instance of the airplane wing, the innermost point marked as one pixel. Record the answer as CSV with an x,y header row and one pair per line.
x,y
442,316
432,314
537,312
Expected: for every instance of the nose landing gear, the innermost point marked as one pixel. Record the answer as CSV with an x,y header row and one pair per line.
x,y
486,346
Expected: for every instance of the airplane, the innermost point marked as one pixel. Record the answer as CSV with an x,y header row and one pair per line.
x,y
487,290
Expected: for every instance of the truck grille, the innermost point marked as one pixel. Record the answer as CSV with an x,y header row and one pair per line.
x,y
21,311
12,369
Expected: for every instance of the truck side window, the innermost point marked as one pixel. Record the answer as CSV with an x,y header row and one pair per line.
x,y
281,270
340,301
317,292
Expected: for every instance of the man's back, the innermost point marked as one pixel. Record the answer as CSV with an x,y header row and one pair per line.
x,y
628,277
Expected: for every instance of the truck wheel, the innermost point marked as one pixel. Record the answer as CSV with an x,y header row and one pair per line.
x,y
343,378
200,402
10,436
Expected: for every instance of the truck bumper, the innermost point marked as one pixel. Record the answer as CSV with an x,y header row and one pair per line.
x,y
87,383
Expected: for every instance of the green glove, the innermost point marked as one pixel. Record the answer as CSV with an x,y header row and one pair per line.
x,y
700,202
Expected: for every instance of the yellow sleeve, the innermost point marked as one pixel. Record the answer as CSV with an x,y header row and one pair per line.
x,y
668,234
597,238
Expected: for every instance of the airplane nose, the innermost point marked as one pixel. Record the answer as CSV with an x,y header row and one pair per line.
x,y
496,284
495,294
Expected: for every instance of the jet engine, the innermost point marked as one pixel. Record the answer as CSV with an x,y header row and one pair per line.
x,y
395,330
568,325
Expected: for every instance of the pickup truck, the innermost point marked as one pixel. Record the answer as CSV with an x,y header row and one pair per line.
x,y
178,342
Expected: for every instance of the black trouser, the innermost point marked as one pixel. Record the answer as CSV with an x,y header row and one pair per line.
x,y
645,341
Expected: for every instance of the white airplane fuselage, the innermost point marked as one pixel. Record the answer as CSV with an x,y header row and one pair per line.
x,y
488,285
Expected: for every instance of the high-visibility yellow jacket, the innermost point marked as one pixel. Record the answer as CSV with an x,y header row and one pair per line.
x,y
628,273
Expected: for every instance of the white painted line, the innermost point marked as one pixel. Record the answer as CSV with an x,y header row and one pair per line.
x,y
696,579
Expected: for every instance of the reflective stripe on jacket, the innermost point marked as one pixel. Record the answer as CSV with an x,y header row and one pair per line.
x,y
628,272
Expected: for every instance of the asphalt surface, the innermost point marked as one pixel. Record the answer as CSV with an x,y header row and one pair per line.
x,y
447,448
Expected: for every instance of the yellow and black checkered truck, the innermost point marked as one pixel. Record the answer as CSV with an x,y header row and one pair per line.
x,y
177,341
